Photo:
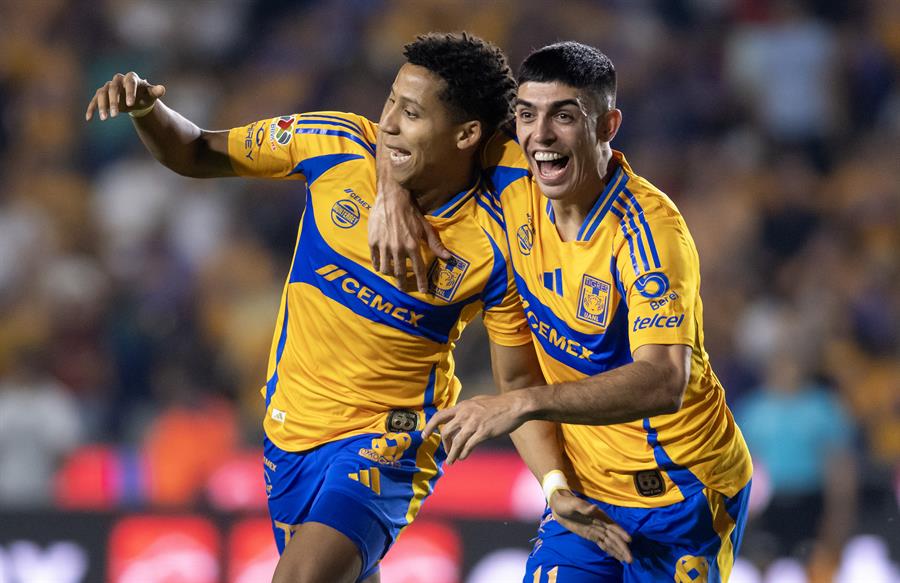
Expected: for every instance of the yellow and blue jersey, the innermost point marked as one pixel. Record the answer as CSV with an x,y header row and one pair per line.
x,y
631,278
348,346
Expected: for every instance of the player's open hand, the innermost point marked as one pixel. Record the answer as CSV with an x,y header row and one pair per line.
x,y
473,421
590,522
123,93
397,230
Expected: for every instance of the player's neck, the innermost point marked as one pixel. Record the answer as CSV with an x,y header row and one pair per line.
x,y
446,187
571,210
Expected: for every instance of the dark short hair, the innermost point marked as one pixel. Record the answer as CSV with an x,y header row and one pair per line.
x,y
575,64
480,84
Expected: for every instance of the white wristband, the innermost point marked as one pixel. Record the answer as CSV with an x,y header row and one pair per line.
x,y
142,112
553,480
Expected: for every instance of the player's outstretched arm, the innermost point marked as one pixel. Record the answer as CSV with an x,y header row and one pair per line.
x,y
397,230
172,139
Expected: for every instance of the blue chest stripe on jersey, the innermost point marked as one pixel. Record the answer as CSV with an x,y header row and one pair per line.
x,y
502,176
646,227
627,234
550,214
491,198
366,294
454,204
320,132
495,290
272,383
589,354
684,478
613,195
593,215
614,270
491,212
313,168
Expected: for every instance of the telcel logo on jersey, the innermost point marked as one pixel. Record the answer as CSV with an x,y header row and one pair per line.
x,y
352,287
281,131
345,213
445,276
593,301
658,321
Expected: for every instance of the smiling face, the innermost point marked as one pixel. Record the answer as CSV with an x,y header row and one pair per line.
x,y
419,130
557,127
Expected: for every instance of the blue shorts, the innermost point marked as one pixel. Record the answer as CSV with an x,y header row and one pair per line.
x,y
693,541
368,487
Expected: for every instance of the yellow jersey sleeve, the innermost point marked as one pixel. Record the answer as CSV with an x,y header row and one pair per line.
x,y
278,147
659,271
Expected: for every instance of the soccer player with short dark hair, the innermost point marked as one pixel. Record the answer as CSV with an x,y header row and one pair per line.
x,y
357,367
609,279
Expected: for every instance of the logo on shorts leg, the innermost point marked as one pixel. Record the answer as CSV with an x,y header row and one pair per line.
x,y
649,483
370,478
690,569
387,449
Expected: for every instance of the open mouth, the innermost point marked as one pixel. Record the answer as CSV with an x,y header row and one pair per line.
x,y
550,165
399,155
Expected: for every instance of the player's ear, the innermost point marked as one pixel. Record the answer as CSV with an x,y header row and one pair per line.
x,y
468,134
608,124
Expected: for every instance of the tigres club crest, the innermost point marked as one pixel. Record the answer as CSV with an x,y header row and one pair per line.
x,y
593,301
445,276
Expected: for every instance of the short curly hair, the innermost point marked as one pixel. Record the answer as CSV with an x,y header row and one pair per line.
x,y
575,64
480,84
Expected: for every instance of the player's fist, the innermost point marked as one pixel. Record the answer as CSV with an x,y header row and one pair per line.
x,y
123,93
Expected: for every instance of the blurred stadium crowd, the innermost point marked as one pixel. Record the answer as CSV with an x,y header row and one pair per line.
x,y
133,301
